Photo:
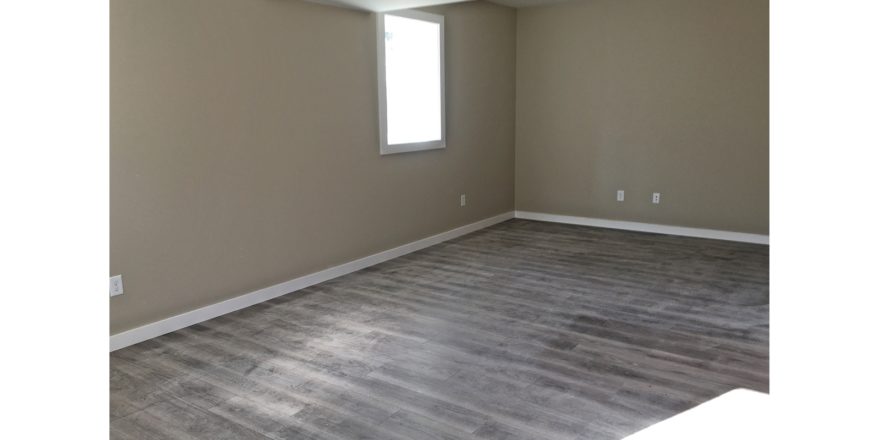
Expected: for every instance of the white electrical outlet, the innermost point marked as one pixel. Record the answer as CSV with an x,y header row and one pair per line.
x,y
116,285
463,200
620,195
656,199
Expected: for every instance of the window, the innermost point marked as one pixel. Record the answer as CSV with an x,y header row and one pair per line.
x,y
412,102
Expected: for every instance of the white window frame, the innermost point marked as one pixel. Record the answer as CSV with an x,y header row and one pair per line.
x,y
384,148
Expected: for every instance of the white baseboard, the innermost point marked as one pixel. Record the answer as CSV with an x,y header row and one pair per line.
x,y
646,227
158,328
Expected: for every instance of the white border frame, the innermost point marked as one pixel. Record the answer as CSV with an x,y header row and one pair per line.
x,y
384,148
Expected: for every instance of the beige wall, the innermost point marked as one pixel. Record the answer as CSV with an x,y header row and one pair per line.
x,y
645,95
244,145
244,142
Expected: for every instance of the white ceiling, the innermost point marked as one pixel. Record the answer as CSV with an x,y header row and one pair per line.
x,y
526,3
384,5
392,5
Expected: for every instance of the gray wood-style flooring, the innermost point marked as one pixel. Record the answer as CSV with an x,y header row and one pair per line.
x,y
525,330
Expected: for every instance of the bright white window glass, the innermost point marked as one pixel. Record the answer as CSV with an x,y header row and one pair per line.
x,y
413,82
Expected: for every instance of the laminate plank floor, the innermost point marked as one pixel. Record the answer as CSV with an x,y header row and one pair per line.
x,y
524,330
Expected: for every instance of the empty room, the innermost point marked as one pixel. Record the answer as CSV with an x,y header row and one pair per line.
x,y
440,219
395,220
